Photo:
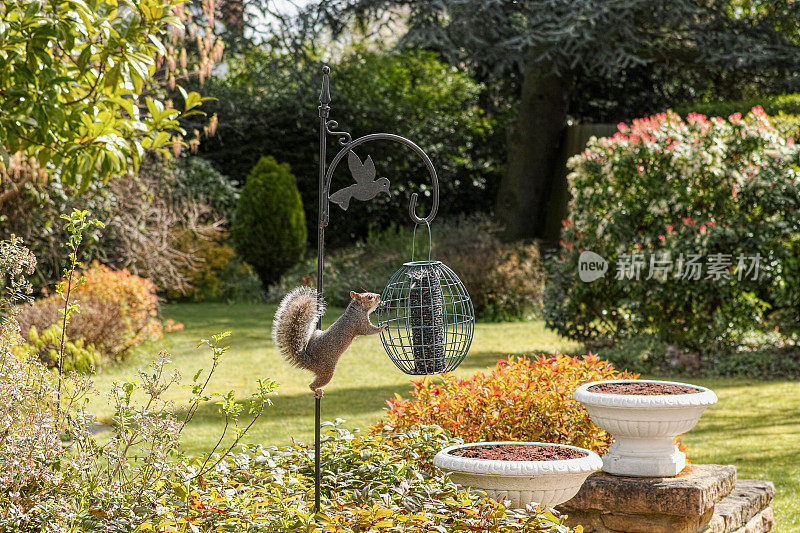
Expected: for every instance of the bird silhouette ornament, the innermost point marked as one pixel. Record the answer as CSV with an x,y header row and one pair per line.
x,y
366,186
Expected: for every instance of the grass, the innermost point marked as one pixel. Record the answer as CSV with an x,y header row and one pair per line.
x,y
754,426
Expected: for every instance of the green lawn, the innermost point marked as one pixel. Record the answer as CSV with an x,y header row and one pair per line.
x,y
755,425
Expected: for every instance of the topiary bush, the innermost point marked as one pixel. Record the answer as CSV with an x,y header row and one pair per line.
x,y
698,222
504,280
269,224
117,313
519,399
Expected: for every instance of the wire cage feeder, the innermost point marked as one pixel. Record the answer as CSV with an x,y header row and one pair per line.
x,y
429,317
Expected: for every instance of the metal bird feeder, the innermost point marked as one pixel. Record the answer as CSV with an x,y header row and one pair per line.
x,y
429,315
428,312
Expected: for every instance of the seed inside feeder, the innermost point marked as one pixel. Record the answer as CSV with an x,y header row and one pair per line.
x,y
427,321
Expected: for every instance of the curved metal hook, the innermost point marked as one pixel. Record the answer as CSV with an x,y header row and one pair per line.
x,y
344,137
412,205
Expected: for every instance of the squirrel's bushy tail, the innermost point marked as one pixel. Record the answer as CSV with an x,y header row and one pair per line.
x,y
295,322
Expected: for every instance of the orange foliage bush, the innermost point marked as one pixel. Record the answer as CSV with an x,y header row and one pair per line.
x,y
520,399
117,311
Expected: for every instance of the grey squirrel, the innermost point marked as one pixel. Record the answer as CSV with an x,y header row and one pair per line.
x,y
295,333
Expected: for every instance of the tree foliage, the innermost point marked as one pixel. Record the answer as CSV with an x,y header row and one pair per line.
x,y
268,104
552,54
76,80
586,36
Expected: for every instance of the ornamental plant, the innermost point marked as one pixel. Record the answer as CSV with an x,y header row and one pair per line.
x,y
698,221
380,482
521,398
269,224
117,311
56,476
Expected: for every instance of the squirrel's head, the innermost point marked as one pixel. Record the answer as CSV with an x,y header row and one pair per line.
x,y
368,300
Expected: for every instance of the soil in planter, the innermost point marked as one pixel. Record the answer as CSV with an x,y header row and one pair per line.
x,y
518,452
644,388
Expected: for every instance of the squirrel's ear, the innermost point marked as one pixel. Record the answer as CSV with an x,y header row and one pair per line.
x,y
353,294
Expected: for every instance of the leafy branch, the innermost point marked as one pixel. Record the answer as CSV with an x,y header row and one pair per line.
x,y
76,224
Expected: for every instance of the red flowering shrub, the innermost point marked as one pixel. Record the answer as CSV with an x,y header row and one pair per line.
x,y
520,399
117,312
698,220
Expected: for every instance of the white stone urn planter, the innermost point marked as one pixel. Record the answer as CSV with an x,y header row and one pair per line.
x,y
546,482
644,426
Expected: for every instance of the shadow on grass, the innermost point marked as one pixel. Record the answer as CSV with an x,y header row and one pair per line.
x,y
486,360
482,360
723,425
344,402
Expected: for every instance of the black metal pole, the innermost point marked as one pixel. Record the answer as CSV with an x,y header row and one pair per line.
x,y
324,111
317,495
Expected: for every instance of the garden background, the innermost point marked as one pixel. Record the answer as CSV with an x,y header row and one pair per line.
x,y
159,160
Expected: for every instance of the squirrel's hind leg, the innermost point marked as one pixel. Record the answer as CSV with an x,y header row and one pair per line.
x,y
320,380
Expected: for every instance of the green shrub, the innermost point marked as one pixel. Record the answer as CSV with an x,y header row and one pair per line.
x,y
644,354
222,276
78,355
377,482
772,105
520,399
505,281
269,225
764,363
198,180
769,355
712,192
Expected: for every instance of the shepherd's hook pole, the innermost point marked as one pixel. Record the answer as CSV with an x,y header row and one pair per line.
x,y
347,143
324,112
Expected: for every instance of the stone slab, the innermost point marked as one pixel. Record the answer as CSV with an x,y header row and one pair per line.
x,y
598,522
745,509
763,522
690,494
655,523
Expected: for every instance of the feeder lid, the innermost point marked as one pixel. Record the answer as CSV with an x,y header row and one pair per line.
x,y
422,263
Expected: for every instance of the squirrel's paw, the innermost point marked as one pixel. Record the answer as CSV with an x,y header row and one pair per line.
x,y
319,393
